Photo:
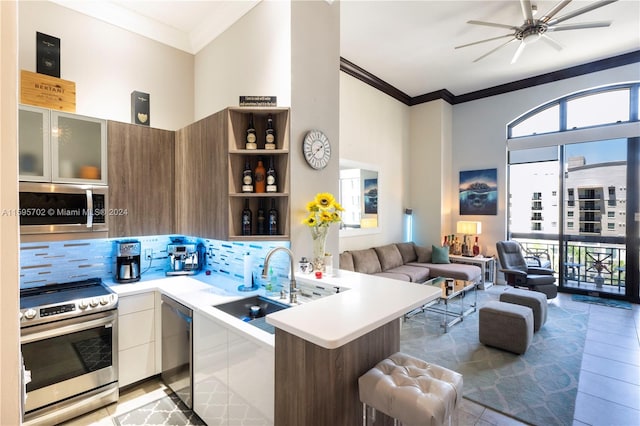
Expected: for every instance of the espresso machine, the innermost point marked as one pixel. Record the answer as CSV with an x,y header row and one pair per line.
x,y
184,259
127,261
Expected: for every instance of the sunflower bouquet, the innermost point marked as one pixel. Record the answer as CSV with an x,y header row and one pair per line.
x,y
323,211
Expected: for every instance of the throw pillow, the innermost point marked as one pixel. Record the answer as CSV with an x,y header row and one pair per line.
x,y
439,254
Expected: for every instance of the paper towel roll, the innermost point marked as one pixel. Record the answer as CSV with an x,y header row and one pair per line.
x,y
248,274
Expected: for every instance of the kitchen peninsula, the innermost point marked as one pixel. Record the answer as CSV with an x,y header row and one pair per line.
x,y
319,350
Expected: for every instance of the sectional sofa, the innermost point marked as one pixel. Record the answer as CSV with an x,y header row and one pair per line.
x,y
406,262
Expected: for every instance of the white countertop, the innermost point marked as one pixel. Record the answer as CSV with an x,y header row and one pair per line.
x,y
369,303
330,322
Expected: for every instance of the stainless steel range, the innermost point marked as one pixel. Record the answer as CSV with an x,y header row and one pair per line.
x,y
69,341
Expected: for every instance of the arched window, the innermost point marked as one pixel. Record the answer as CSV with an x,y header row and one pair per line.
x,y
574,187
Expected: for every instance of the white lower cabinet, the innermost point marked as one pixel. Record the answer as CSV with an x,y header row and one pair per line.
x,y
251,381
136,338
233,376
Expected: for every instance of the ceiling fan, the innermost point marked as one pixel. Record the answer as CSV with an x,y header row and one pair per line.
x,y
536,29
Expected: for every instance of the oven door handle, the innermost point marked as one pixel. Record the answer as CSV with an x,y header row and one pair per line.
x,y
68,329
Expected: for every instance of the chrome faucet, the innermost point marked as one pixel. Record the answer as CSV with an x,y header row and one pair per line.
x,y
293,290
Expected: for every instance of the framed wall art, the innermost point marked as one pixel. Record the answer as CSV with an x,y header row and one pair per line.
x,y
478,192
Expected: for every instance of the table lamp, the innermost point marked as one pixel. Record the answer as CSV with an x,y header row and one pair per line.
x,y
468,228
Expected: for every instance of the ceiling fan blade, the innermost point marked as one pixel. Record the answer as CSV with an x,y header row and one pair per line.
x,y
555,9
600,24
484,41
580,11
518,52
527,12
551,42
492,24
493,50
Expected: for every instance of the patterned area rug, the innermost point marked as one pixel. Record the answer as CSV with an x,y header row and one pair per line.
x,y
538,387
166,411
604,302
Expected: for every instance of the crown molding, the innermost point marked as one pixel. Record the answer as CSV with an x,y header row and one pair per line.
x,y
588,68
366,77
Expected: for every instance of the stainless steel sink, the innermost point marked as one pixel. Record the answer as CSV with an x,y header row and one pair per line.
x,y
253,310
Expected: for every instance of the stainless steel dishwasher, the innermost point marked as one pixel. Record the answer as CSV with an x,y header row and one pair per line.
x,y
177,349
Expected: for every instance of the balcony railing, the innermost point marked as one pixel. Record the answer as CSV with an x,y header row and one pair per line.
x,y
587,263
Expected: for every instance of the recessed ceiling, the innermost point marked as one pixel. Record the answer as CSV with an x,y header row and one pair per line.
x,y
408,44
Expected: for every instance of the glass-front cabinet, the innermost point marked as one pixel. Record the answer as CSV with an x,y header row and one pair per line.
x,y
61,147
34,153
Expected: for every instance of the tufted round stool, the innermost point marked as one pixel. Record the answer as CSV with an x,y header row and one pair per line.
x,y
411,391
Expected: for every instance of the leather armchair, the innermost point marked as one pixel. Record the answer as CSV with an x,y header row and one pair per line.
x,y
520,274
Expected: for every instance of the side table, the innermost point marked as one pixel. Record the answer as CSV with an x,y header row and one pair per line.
x,y
486,264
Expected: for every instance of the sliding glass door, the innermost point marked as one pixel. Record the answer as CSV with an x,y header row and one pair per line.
x,y
594,217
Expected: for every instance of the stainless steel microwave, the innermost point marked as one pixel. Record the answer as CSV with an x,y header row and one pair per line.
x,y
62,211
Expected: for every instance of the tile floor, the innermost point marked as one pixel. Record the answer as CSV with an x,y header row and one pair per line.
x,y
608,392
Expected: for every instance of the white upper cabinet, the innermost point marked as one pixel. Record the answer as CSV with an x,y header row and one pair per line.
x,y
61,147
34,144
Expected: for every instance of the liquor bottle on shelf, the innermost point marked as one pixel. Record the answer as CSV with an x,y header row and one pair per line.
x,y
466,250
272,221
476,247
445,243
247,177
259,178
452,245
261,225
272,185
270,134
251,135
247,218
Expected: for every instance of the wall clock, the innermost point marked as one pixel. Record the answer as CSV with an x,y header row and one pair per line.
x,y
316,149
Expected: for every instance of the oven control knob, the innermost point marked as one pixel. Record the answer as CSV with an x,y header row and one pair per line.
x,y
83,304
94,302
104,300
30,314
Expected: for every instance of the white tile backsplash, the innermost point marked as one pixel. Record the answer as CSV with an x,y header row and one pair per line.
x,y
64,261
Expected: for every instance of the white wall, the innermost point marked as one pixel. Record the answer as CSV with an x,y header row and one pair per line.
x,y
315,92
430,166
9,327
253,57
107,63
479,136
374,130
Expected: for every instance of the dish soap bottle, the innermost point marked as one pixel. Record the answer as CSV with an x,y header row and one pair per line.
x,y
273,282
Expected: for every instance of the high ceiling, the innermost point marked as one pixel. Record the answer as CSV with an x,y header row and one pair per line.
x,y
408,44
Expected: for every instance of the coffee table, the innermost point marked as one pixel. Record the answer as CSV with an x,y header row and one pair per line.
x,y
452,304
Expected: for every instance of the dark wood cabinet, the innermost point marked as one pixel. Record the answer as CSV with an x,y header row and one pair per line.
x,y
201,178
141,180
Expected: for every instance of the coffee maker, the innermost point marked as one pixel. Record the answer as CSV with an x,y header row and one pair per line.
x,y
184,259
127,261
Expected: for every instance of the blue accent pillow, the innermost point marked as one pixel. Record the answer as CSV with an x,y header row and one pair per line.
x,y
439,254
